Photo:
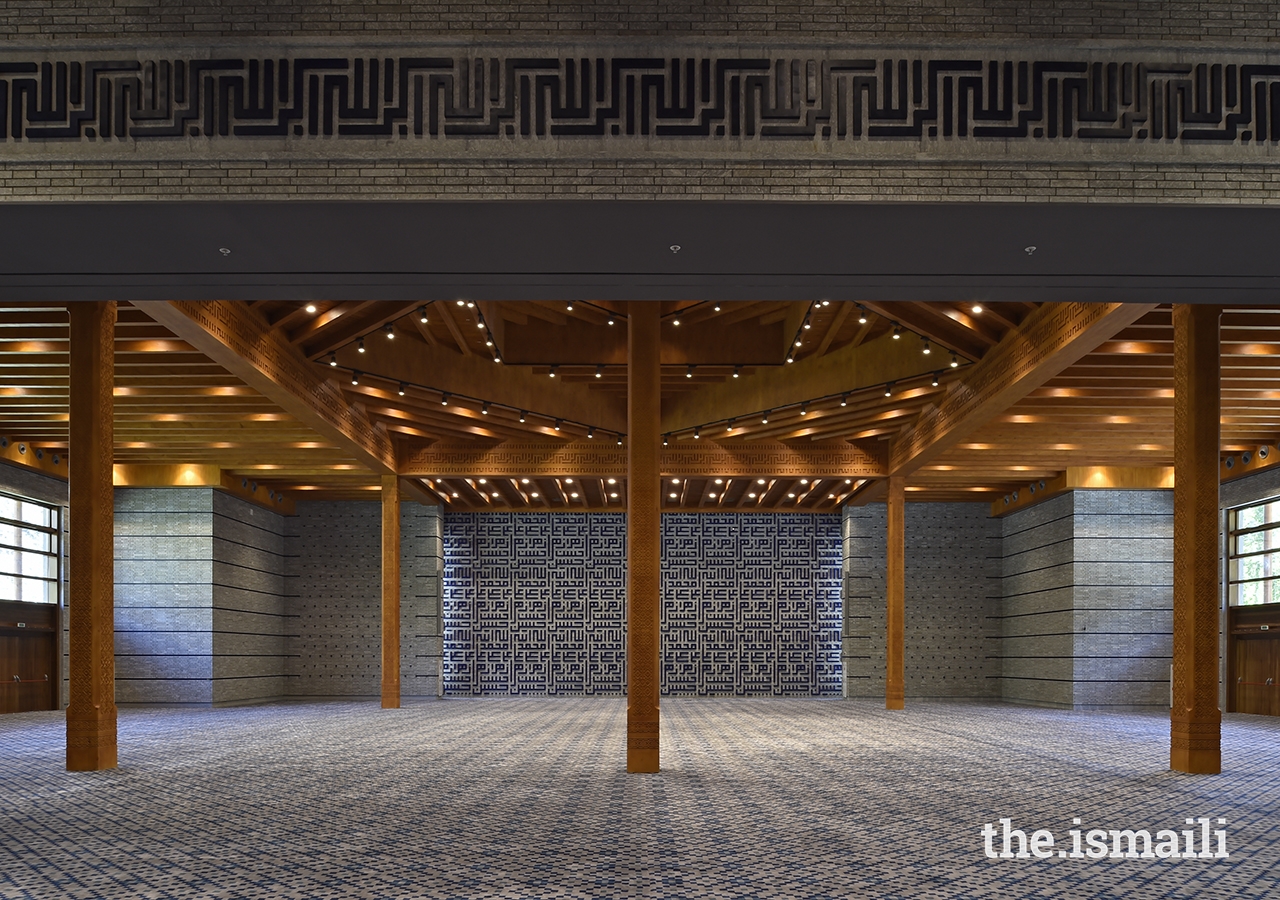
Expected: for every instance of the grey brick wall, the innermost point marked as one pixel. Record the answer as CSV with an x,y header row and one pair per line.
x,y
164,595
248,601
952,597
862,20
333,581
642,179
1087,619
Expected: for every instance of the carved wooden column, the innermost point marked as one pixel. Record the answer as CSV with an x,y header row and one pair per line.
x,y
1195,734
91,713
895,567
644,493
390,592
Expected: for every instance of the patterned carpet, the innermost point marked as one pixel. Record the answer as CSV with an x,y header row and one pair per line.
x,y
520,798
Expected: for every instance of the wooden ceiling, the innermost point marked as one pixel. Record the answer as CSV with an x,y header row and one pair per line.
x,y
736,373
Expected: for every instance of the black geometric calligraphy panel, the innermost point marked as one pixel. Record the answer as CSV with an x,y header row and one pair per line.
x,y
839,101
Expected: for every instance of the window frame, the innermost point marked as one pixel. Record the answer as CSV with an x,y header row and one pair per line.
x,y
1269,554
53,590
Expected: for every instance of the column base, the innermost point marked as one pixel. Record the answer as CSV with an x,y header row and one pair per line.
x,y
642,761
91,741
390,698
1195,743
893,698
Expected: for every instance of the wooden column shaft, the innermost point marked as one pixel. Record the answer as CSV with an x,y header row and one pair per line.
x,y
895,567
91,713
390,592
644,445
1195,733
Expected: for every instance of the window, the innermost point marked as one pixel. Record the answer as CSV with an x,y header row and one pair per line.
x,y
1253,554
29,551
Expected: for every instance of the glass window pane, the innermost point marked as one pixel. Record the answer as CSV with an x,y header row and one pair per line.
x,y
8,561
1250,517
9,534
8,508
37,565
1250,594
8,587
40,540
34,514
1250,543
34,591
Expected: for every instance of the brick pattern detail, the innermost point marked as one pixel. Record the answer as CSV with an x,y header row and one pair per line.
x,y
1088,600
858,20
952,601
641,179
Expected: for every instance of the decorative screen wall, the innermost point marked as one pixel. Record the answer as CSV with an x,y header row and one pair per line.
x,y
534,603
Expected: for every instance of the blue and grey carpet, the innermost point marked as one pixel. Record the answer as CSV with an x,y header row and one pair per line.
x,y
520,798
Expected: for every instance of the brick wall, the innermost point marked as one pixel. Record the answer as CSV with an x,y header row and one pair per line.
x,y
1088,600
861,20
951,595
333,583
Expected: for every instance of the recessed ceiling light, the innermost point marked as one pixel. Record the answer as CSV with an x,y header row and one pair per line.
x,y
534,495
455,493
791,495
311,307
524,480
482,481
675,480
574,495
752,496
614,494
711,493
568,481
759,481
719,481
977,308
672,495
613,481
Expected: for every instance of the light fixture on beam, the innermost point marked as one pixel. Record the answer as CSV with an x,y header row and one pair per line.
x,y
665,438
764,420
591,432
355,377
484,408
444,399
737,370
955,361
926,350
522,416
389,331
675,322
897,331
862,314
935,379
333,359
360,346
688,372
568,307
311,308
977,309
557,425
401,390
611,320
844,399
480,322
697,433
888,389
600,371
804,409
422,314
729,426
619,440
552,373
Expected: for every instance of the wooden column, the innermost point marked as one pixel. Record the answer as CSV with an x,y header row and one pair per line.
x,y
390,592
644,499
91,714
1195,734
895,566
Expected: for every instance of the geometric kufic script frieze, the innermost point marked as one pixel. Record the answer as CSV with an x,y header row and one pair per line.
x,y
725,97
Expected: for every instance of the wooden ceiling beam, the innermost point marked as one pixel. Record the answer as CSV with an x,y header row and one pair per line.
x,y
1049,341
236,338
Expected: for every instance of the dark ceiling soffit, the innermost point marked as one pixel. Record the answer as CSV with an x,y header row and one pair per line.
x,y
637,250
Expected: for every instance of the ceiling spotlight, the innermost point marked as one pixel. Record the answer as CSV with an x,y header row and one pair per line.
x,y
804,480
568,481
619,440
954,361
764,420
522,415
752,496
389,331
455,493
361,345
804,409
897,331
697,433
613,494
716,308
552,373
790,358
591,432
807,326
333,359
568,307
798,342
848,481
574,495
711,494
862,314
481,481
470,305
497,358
675,322
844,399
688,372
737,370
729,426
444,399
462,302
494,495
484,408
355,377
613,481
760,481
672,495
664,439
480,321
888,389
488,343
311,307
611,322
831,496
524,480
675,480
926,350
401,390
422,315
792,496
977,308
534,495
719,481
557,425
600,371
935,379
